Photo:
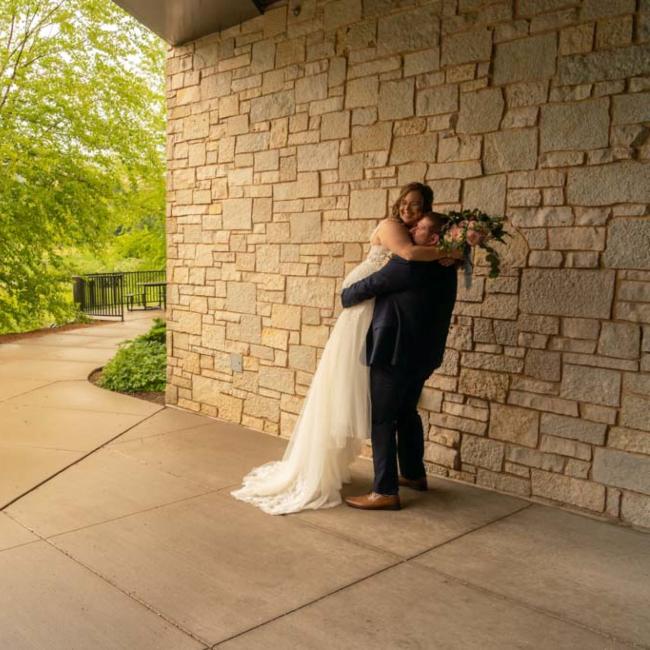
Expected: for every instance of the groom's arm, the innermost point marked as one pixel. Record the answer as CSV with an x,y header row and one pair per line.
x,y
395,276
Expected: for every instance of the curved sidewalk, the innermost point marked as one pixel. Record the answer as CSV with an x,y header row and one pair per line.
x,y
121,534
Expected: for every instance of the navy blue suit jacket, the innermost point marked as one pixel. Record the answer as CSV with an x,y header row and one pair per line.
x,y
413,305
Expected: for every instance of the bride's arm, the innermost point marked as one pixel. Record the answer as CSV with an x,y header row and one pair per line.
x,y
395,237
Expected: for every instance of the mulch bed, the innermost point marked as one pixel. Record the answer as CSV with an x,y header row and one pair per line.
x,y
158,397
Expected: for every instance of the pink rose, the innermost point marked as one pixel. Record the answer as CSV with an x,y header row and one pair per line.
x,y
456,234
474,237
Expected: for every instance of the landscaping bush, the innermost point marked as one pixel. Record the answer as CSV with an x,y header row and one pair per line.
x,y
139,365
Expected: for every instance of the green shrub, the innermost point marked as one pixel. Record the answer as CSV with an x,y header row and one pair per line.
x,y
139,365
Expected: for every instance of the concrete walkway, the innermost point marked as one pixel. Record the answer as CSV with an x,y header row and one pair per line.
x,y
120,533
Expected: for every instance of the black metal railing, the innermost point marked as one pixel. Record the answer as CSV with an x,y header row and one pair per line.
x,y
106,294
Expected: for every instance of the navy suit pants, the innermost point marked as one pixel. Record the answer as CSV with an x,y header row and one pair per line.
x,y
397,433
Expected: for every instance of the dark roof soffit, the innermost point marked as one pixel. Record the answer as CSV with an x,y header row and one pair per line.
x,y
181,21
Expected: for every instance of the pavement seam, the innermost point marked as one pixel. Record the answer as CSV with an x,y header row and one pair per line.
x,y
534,608
63,469
401,561
131,596
105,521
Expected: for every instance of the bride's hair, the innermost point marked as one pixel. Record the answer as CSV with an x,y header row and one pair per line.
x,y
425,192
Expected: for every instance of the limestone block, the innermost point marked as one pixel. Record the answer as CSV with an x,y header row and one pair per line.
x,y
341,12
620,340
348,231
543,364
285,316
631,108
421,62
526,59
628,243
187,321
215,85
622,469
526,94
510,150
196,126
415,29
252,142
618,63
371,138
488,193
291,51
311,292
629,440
482,452
368,204
241,297
262,407
534,458
312,157
484,384
634,412
462,147
414,148
635,508
480,111
626,181
228,408
213,336
307,185
396,99
514,424
503,482
565,489
573,428
446,191
441,455
266,161
278,379
594,9
237,214
437,100
263,56
205,389
577,39
302,357
362,92
564,447
408,173
575,125
311,88
473,45
529,8
305,227
567,292
594,385
269,107
335,125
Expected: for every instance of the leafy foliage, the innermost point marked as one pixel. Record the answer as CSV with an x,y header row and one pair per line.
x,y
139,365
81,149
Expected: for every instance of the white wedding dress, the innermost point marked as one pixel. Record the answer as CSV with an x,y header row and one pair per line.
x,y
334,421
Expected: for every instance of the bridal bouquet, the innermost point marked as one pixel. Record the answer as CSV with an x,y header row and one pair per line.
x,y
469,229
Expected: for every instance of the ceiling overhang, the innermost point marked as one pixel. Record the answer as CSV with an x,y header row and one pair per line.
x,y
181,21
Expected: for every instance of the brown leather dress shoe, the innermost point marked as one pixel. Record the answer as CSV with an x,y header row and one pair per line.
x,y
374,501
419,484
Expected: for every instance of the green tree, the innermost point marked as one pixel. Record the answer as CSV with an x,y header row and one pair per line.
x,y
81,146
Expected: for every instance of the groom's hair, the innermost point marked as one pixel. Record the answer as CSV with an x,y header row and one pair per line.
x,y
425,191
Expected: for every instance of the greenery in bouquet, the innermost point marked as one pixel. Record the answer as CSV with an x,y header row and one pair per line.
x,y
470,229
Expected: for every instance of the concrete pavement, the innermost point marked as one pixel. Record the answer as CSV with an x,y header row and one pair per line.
x,y
120,533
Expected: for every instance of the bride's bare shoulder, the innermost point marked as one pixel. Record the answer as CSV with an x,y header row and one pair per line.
x,y
384,227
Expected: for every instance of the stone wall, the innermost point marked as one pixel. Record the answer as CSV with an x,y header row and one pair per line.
x,y
288,138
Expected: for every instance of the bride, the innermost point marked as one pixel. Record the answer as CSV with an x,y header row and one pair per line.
x,y
335,417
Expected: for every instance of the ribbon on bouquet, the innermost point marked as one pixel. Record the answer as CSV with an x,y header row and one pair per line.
x,y
468,268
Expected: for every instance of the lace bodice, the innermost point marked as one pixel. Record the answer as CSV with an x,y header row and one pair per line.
x,y
378,254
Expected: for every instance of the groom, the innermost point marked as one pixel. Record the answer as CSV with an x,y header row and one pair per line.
x,y
404,345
